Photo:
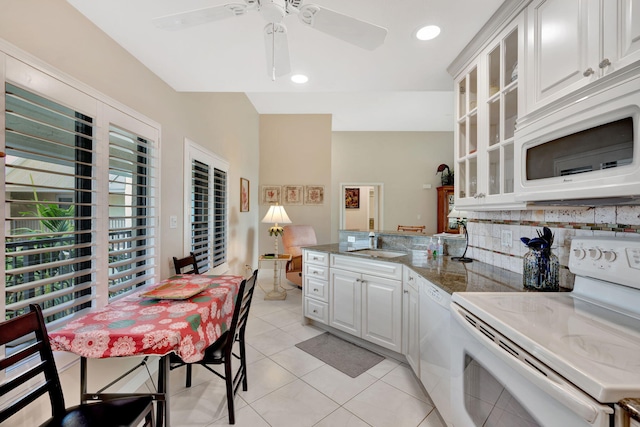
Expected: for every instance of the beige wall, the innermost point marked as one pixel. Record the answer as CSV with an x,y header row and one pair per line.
x,y
403,162
225,123
295,149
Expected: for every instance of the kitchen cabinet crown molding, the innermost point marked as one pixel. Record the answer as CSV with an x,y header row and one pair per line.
x,y
506,13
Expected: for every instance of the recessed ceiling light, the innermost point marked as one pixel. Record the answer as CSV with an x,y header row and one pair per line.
x,y
428,32
299,78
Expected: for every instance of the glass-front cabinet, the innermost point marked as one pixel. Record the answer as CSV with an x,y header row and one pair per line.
x,y
487,107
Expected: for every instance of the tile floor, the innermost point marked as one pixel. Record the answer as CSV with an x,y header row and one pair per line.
x,y
288,387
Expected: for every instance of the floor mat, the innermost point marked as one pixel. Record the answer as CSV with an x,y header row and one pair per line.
x,y
346,357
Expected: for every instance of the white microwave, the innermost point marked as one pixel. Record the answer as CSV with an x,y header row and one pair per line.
x,y
585,153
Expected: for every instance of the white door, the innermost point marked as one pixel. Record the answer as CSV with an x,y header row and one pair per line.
x,y
346,301
621,33
561,48
412,310
382,312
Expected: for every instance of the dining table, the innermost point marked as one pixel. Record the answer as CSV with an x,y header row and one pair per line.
x,y
184,315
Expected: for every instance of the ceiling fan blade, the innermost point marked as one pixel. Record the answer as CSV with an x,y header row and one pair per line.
x,y
277,48
351,30
178,21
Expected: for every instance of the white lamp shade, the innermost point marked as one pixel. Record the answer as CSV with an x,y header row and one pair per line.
x,y
276,215
457,214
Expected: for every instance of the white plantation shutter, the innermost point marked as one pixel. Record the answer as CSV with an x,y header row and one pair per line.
x,y
132,227
207,208
49,250
219,244
200,213
80,200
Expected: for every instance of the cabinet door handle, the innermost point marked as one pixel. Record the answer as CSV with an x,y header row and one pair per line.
x,y
315,289
358,280
604,63
315,311
406,291
589,71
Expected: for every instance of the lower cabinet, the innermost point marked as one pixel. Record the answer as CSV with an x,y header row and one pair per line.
x,y
364,305
315,276
411,320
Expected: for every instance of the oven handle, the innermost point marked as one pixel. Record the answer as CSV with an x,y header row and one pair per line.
x,y
561,390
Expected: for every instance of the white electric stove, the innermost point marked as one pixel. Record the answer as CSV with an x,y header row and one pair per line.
x,y
552,359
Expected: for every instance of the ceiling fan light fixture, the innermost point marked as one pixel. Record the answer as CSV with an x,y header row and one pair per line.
x,y
299,78
428,32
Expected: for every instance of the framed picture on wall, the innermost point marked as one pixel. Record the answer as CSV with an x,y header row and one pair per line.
x,y
270,194
352,198
244,195
292,194
313,194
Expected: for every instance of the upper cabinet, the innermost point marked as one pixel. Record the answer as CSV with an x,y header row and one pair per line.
x,y
532,59
487,110
571,43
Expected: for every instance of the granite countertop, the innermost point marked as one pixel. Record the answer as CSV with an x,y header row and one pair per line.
x,y
451,276
632,406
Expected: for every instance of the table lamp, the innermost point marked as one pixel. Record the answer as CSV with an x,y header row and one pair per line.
x,y
276,215
460,217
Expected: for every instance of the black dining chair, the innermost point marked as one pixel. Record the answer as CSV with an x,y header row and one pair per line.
x,y
130,411
188,261
221,351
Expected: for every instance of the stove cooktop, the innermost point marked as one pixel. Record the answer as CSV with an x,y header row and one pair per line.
x,y
590,336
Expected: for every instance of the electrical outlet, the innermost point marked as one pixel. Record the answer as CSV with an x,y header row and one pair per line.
x,y
507,238
351,239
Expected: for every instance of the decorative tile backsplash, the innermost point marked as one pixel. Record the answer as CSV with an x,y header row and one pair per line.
x,y
485,232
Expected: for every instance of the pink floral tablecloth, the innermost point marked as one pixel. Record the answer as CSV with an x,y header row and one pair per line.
x,y
137,325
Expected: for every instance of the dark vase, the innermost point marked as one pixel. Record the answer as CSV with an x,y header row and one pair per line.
x,y
541,270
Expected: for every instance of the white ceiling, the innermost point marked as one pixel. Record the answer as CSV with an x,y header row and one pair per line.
x,y
401,86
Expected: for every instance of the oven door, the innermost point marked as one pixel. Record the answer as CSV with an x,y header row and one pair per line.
x,y
493,381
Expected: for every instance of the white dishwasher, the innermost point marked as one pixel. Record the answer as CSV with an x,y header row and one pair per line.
x,y
435,346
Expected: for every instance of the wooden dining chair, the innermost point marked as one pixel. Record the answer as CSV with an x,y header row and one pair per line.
x,y
221,351
188,261
129,411
414,228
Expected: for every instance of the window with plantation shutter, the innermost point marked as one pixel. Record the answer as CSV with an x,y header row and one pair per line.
x,y
206,193
200,213
131,202
219,244
80,199
50,152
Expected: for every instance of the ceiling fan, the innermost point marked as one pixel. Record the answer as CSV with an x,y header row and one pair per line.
x,y
346,28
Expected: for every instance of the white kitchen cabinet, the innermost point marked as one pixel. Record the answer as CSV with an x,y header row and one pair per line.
x,y
488,103
315,288
366,305
411,320
345,311
571,43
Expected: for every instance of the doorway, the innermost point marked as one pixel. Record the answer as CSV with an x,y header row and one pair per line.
x,y
361,206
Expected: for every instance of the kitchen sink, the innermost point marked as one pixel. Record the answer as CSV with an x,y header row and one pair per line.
x,y
378,253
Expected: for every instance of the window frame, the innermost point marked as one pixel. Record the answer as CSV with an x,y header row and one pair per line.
x,y
194,151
